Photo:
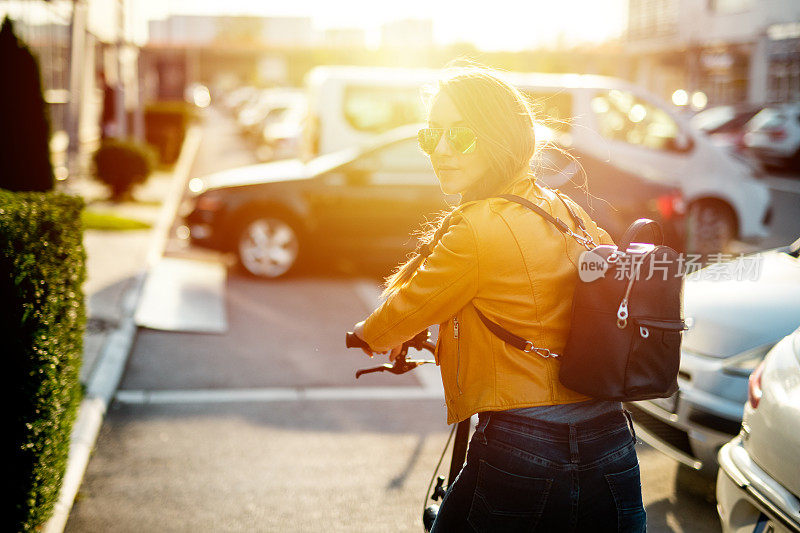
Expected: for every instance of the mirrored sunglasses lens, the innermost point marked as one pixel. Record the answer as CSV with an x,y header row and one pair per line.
x,y
428,139
463,139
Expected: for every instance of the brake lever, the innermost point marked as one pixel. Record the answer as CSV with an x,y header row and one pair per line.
x,y
401,365
382,368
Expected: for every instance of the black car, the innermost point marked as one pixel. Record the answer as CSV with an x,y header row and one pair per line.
x,y
368,202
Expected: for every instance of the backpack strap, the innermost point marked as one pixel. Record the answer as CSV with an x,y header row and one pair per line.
x,y
499,331
584,240
514,340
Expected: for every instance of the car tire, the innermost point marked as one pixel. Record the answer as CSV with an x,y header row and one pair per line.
x,y
710,228
268,245
794,161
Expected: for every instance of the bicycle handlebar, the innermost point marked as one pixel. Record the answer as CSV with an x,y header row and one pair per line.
x,y
401,365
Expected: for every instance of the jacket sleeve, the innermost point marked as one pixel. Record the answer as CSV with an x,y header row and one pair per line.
x,y
445,282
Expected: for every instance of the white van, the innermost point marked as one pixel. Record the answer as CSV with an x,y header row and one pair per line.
x,y
605,117
351,105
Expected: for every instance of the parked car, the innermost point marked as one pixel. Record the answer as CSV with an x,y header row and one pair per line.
x,y
737,311
773,136
268,106
617,121
725,124
367,201
349,105
282,133
607,118
614,198
235,99
758,485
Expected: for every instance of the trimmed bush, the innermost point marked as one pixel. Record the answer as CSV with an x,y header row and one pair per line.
x,y
165,126
25,132
121,165
42,319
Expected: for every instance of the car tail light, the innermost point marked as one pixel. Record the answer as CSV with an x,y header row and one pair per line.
x,y
777,134
208,203
754,386
670,204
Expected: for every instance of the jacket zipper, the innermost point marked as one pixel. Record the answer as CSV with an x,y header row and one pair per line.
x,y
458,353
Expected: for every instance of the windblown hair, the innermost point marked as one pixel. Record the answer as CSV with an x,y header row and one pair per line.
x,y
502,119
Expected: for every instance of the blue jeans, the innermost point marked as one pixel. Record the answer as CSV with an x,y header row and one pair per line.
x,y
524,474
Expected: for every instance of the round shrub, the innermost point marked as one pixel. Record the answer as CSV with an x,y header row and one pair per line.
x,y
121,165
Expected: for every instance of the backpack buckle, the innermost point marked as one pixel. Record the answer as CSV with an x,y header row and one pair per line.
x,y
541,352
529,347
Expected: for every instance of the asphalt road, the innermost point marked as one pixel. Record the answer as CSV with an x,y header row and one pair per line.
x,y
264,428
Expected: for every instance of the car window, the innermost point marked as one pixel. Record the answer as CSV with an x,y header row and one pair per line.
x,y
766,118
622,116
400,156
376,109
400,163
553,109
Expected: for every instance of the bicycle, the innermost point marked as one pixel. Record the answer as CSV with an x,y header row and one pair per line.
x,y
401,365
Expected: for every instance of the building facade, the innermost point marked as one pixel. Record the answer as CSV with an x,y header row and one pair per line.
x,y
734,51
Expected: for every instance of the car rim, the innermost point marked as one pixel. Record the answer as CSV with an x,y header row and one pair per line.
x,y
268,247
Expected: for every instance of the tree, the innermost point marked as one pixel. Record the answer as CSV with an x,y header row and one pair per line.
x,y
24,128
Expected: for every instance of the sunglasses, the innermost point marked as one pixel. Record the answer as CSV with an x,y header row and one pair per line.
x,y
461,138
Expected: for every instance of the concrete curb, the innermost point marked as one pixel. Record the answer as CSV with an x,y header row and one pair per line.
x,y
108,371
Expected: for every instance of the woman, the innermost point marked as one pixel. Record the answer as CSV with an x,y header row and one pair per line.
x,y
543,457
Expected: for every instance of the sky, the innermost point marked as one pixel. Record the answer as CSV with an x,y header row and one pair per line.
x,y
495,25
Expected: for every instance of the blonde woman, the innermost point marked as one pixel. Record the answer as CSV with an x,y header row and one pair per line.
x,y
543,457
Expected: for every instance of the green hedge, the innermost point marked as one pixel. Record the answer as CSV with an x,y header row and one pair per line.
x,y
165,125
42,318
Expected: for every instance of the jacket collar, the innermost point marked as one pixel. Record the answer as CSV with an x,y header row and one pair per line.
x,y
523,186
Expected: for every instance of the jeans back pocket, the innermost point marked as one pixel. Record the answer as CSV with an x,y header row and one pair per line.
x,y
626,487
505,501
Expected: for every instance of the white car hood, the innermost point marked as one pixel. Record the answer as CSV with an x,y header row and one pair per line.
x,y
728,316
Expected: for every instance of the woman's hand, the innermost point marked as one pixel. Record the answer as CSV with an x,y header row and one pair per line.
x,y
358,330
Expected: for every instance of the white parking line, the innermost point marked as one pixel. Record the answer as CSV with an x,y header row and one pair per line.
x,y
275,394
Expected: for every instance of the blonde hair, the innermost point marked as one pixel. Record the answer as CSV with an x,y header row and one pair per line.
x,y
502,119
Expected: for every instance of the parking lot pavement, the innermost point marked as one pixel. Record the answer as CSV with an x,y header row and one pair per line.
x,y
195,461
296,466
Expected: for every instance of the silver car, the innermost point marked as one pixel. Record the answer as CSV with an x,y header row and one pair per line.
x,y
736,312
758,486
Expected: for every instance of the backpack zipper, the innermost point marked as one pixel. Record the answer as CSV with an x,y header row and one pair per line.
x,y
458,353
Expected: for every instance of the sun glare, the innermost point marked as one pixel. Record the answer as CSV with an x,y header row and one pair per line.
x,y
501,25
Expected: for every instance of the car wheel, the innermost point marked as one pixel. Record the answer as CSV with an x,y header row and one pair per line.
x,y
268,246
794,161
710,228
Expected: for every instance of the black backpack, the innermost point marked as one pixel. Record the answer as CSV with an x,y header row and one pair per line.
x,y
626,325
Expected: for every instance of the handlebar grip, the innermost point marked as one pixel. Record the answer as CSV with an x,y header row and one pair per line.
x,y
419,339
352,341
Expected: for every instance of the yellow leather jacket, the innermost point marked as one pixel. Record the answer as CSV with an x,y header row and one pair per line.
x,y
521,272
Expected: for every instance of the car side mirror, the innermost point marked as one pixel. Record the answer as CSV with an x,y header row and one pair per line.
x,y
682,142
